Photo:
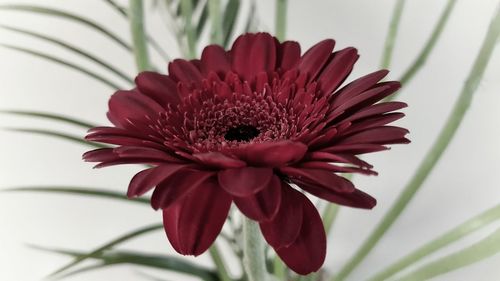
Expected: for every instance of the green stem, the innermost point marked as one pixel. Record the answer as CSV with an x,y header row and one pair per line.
x,y
254,259
279,268
434,154
449,237
214,11
329,216
391,35
136,17
281,9
187,13
219,263
424,54
483,249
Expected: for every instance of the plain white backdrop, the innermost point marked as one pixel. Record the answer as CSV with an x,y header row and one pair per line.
x,y
464,183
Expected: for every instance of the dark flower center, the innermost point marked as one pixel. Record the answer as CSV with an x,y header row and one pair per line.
x,y
241,133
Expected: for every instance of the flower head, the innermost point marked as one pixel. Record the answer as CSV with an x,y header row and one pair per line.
x,y
253,125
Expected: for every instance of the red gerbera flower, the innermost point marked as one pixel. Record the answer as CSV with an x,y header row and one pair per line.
x,y
248,126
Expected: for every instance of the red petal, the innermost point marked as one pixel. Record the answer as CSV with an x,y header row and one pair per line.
x,y
378,135
284,229
274,154
263,205
315,58
307,254
143,181
158,87
356,199
321,178
177,186
214,58
288,55
125,105
194,223
245,181
358,86
337,70
252,54
184,71
376,109
219,160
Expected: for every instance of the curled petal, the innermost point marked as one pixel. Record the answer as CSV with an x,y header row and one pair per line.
x,y
245,181
264,205
193,224
159,87
143,181
307,253
284,229
320,178
125,105
274,154
219,160
176,186
316,57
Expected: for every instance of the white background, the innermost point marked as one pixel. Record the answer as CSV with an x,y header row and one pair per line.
x,y
463,184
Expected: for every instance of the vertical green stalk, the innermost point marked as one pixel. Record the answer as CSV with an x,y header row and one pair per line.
x,y
219,263
422,57
214,12
187,13
279,268
254,259
434,154
281,11
391,35
136,17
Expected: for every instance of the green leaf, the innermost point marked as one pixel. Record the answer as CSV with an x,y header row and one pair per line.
x,y
202,21
156,46
102,193
464,229
51,116
73,49
483,249
432,157
229,20
110,258
391,35
250,24
108,246
69,16
63,62
60,135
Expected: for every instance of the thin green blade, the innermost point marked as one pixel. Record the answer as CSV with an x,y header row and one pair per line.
x,y
51,116
64,136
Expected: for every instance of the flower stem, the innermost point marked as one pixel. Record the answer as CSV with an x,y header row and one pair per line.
x,y
187,12
136,17
254,259
214,11
436,151
219,263
444,240
422,57
391,35
281,11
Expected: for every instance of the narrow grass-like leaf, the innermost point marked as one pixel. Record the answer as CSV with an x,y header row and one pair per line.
x,y
250,24
63,62
73,49
51,116
202,20
110,258
187,15
66,15
137,29
438,148
85,191
229,19
483,249
108,246
429,46
60,135
124,13
464,229
391,35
